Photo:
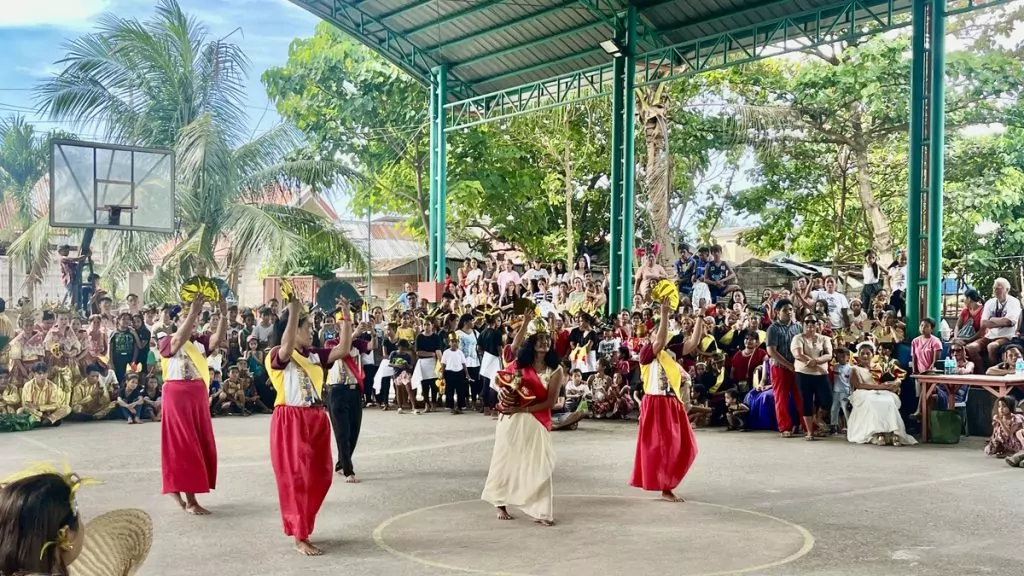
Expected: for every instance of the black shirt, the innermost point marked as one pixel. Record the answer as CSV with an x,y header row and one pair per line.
x,y
426,343
591,338
490,341
122,347
129,397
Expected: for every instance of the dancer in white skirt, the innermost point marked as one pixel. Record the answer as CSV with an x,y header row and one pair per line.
x,y
524,457
875,417
428,352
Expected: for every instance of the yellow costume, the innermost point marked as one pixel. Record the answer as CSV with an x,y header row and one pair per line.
x,y
8,331
85,404
48,401
10,398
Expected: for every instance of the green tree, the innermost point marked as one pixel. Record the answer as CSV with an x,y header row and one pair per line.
x,y
162,82
851,105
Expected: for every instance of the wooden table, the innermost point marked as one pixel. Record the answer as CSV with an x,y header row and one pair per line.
x,y
996,385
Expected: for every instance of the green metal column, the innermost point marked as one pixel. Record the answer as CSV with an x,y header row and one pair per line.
x,y
615,240
937,125
927,146
918,152
623,172
628,160
432,204
438,172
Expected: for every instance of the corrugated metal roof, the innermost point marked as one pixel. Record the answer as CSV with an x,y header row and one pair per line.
x,y
553,36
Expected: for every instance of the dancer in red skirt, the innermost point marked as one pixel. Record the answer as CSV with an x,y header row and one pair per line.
x,y
300,432
665,446
188,452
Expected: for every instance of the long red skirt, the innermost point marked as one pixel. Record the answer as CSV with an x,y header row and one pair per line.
x,y
188,451
665,446
300,450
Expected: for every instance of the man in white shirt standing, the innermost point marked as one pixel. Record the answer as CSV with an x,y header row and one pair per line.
x,y
999,320
837,303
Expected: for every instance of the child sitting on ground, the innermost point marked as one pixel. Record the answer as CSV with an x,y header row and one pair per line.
x,y
576,390
736,411
152,402
129,400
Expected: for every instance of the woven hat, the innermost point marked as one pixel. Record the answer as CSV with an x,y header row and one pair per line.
x,y
116,544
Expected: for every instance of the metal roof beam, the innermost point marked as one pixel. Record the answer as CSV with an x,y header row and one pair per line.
x,y
403,9
432,50
535,67
452,17
716,16
531,44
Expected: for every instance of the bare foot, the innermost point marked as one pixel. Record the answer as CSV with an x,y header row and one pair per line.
x,y
307,549
545,522
197,510
177,499
503,514
351,479
669,496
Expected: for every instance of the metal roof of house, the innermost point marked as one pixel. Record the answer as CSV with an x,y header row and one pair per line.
x,y
492,45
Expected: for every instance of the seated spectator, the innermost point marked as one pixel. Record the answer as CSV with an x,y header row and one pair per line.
x,y
718,276
10,393
740,368
43,400
152,398
233,393
1011,353
576,391
1007,425
253,401
89,399
602,390
889,330
129,400
736,412
216,397
875,417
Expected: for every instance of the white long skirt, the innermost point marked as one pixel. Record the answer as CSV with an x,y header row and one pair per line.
x,y
875,412
521,467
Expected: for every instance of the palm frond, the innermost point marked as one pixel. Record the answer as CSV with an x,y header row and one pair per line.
x,y
322,175
130,251
33,248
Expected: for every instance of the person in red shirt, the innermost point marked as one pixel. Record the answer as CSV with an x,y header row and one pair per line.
x,y
560,336
740,367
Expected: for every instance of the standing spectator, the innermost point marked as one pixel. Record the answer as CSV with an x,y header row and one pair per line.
x,y
872,274
536,272
836,302
474,274
648,274
507,276
265,329
812,353
779,340
898,283
403,298
718,275
124,346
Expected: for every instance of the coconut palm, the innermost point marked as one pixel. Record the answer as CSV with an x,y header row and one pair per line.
x,y
163,82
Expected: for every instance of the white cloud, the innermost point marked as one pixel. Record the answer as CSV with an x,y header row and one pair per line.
x,y
56,13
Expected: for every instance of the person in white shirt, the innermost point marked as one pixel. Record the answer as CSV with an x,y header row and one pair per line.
x,y
475,274
837,303
872,274
898,284
536,272
456,374
999,320
507,275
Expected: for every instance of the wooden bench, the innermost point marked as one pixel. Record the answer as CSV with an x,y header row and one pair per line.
x,y
998,386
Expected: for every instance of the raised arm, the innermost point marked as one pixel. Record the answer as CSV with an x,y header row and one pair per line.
x,y
692,343
184,332
219,334
661,338
520,336
287,343
344,335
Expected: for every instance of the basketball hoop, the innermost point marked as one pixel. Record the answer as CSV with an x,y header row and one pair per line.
x,y
114,213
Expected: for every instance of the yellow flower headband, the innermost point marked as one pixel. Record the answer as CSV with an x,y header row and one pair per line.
x,y
74,482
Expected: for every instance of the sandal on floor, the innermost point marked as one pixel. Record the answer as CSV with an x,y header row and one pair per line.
x,y
810,437
787,434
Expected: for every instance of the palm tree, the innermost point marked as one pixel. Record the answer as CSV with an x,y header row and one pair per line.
x,y
24,160
163,83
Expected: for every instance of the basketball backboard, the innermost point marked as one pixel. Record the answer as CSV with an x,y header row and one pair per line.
x,y
109,186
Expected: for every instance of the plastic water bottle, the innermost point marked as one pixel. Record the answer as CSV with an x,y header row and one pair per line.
x,y
949,366
1018,368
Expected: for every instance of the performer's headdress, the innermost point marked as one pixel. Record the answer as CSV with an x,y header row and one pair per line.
x,y
538,326
453,337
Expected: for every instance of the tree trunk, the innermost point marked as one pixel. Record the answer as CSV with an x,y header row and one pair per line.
x,y
878,224
658,169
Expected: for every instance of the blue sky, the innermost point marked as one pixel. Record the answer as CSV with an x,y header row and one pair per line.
x,y
32,33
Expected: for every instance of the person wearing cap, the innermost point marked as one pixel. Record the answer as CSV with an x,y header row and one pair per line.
x,y
875,418
665,445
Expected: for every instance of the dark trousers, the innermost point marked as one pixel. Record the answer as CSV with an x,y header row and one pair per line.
x,y
488,393
345,405
429,390
455,383
474,382
369,373
385,391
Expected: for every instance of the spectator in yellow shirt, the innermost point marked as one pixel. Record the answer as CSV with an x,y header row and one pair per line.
x,y
10,393
43,400
89,400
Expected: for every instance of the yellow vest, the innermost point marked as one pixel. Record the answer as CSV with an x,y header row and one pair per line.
x,y
673,372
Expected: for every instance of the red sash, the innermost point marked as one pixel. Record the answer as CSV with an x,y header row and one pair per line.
x,y
531,381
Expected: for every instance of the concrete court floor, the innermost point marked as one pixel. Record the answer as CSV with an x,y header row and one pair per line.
x,y
758,505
